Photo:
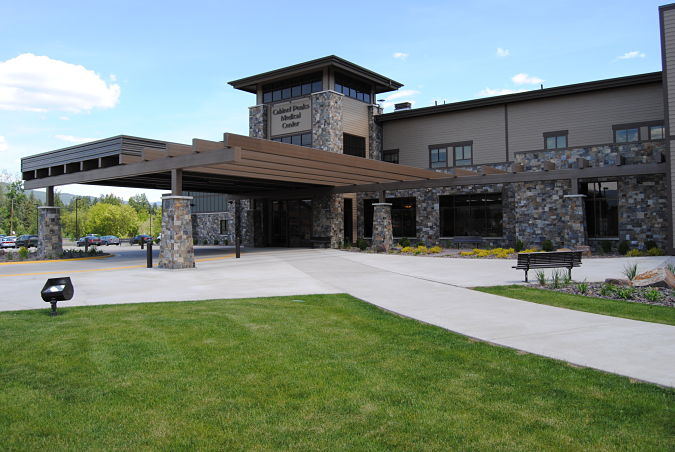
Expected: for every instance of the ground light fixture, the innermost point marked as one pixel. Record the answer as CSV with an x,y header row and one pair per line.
x,y
57,289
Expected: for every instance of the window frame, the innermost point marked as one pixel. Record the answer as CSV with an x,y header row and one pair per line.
x,y
450,148
634,125
556,134
280,138
592,207
649,131
484,208
352,139
394,152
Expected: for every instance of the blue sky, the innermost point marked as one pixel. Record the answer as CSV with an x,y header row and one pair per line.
x,y
71,71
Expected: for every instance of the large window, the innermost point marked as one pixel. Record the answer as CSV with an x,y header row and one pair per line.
x,y
451,154
352,88
289,89
602,208
471,215
303,139
353,145
390,155
626,134
657,132
555,140
403,217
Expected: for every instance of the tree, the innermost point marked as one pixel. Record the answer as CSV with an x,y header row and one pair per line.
x,y
111,199
140,203
109,219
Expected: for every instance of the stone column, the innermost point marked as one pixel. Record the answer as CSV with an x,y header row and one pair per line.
x,y
176,249
574,232
328,218
50,245
383,236
257,121
374,133
253,234
327,125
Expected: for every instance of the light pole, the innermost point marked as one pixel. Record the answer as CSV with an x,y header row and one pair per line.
x,y
77,224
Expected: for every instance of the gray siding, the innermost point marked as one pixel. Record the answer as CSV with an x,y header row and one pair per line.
x,y
483,126
668,52
588,117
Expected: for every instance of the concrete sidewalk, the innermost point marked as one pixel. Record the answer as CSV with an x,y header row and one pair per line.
x,y
427,289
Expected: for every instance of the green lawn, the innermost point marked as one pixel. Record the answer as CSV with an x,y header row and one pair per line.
x,y
330,373
616,308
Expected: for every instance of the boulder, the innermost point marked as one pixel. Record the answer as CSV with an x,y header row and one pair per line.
x,y
659,277
618,282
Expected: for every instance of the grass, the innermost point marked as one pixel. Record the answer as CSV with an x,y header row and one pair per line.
x,y
325,373
616,308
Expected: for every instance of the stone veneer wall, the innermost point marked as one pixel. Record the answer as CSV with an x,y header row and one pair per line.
x,y
327,121
328,218
643,204
50,245
374,133
206,226
599,155
258,118
176,249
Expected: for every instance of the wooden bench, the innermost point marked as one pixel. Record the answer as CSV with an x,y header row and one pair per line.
x,y
553,259
467,239
324,242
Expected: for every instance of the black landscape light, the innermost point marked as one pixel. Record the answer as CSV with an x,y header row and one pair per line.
x,y
57,289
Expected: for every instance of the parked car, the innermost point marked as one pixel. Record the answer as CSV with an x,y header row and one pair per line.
x,y
110,240
8,242
141,238
27,241
89,239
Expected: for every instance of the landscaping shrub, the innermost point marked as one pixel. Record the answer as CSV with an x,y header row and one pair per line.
x,y
501,253
23,252
519,246
649,244
10,256
623,247
405,241
671,268
634,253
625,293
435,250
582,287
541,277
421,249
654,251
607,290
361,244
407,249
653,294
206,242
606,246
530,250
630,271
547,245
557,279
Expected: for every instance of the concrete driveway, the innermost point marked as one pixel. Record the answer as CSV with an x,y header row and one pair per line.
x,y
429,289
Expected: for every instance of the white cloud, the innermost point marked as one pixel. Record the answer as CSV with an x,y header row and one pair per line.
x,y
403,95
524,79
72,139
631,55
64,118
487,92
3,144
400,56
113,77
503,52
38,83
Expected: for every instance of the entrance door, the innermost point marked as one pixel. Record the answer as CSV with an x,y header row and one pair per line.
x,y
290,223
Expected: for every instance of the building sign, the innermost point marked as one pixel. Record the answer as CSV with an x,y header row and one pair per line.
x,y
290,117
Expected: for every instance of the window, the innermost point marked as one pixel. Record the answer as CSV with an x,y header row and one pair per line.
x,y
291,88
303,139
352,88
390,155
353,145
461,153
403,217
657,132
623,134
555,140
602,212
471,215
438,157
223,227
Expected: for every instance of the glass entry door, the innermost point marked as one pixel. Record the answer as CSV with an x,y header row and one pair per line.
x,y
290,222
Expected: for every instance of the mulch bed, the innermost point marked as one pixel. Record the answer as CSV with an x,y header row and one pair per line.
x,y
595,290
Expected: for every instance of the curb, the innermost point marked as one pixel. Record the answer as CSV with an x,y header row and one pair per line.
x,y
58,260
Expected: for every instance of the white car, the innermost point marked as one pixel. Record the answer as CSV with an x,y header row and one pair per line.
x,y
8,242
